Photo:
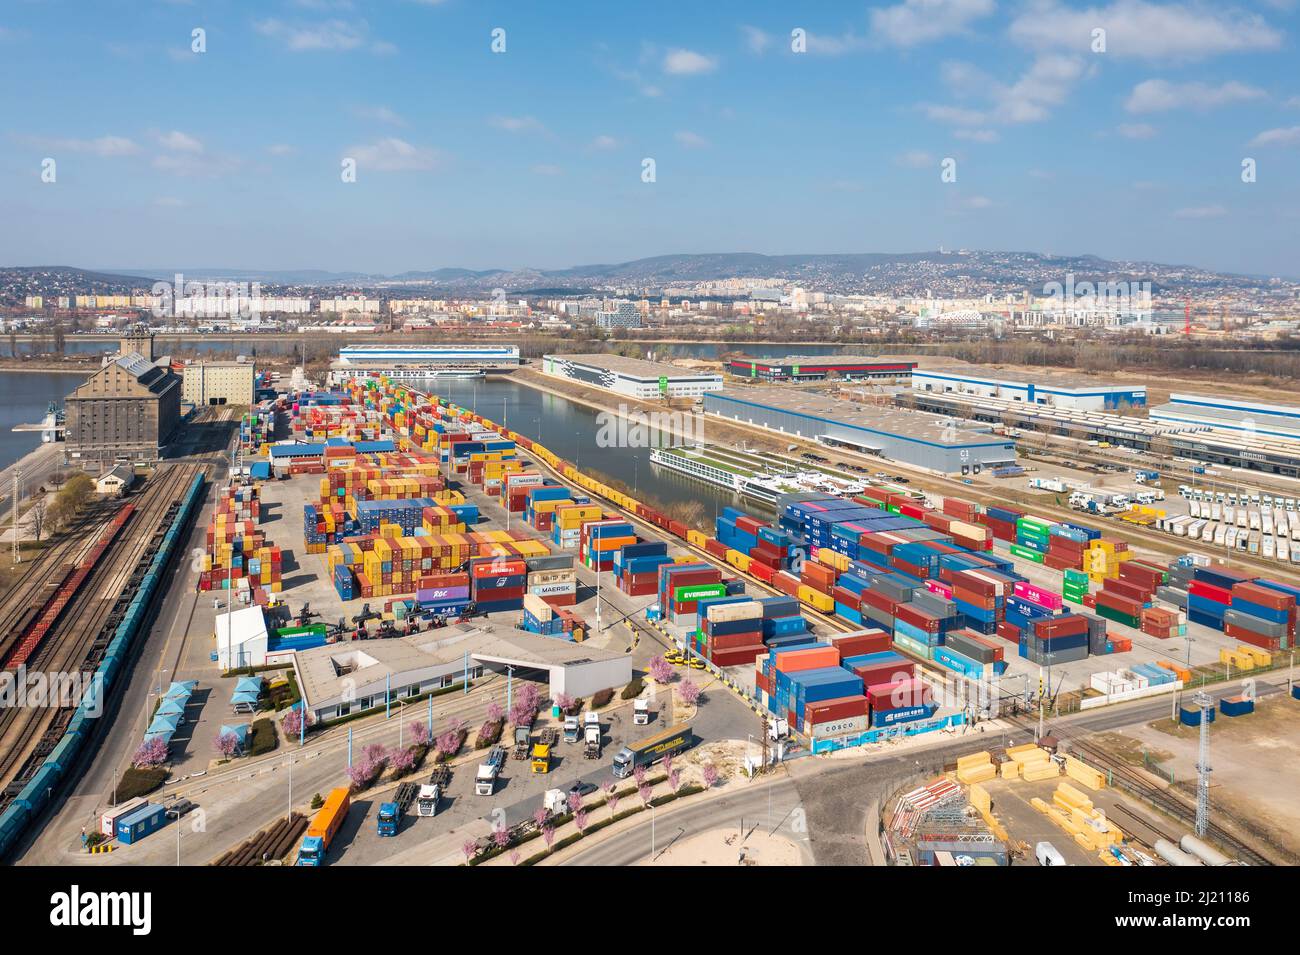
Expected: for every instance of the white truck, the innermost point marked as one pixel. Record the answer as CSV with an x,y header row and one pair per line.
x,y
1047,854
641,712
485,780
426,803
571,729
591,735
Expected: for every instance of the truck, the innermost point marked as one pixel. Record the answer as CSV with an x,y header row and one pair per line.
x,y
324,827
523,741
389,819
641,712
541,757
1047,854
591,735
430,796
572,729
485,780
653,748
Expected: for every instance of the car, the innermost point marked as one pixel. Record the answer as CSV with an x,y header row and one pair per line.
x,y
901,480
180,808
880,475
583,788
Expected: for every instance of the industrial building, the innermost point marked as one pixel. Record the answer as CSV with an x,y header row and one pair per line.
x,y
1281,421
819,367
633,377
343,678
1195,441
218,383
623,314
126,411
424,361
1079,394
927,441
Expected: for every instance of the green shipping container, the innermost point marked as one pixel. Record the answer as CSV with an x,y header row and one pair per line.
x,y
1117,615
1026,554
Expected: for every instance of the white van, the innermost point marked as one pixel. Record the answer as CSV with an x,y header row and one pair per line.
x,y
1046,854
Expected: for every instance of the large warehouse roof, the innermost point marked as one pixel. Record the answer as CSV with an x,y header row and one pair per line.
x,y
633,367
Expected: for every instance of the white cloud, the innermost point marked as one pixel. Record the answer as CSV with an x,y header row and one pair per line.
x,y
755,39
327,36
1136,28
688,63
179,142
393,155
1201,212
1292,102
378,114
517,124
977,135
604,142
913,22
1282,136
1136,130
1045,85
1153,96
281,149
824,45
977,202
914,159
954,115
107,147
548,169
690,140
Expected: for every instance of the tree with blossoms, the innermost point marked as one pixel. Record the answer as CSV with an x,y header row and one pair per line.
x,y
152,752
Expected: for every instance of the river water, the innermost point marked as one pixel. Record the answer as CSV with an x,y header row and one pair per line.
x,y
24,396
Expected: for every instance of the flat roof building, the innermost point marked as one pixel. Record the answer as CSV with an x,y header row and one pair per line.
x,y
342,678
218,383
634,377
943,445
1076,392
1245,417
818,367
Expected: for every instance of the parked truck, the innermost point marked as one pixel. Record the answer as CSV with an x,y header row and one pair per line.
x,y
389,819
640,712
652,749
541,758
591,736
427,802
485,781
523,741
324,827
572,729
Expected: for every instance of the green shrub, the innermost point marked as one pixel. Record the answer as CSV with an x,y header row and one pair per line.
x,y
601,698
138,781
317,801
633,689
264,738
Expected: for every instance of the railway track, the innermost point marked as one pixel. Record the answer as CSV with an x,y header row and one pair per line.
x,y
1165,800
75,644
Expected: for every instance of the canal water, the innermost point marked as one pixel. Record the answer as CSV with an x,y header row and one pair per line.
x,y
573,432
24,396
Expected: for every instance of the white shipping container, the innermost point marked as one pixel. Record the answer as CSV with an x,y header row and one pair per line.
x,y
841,727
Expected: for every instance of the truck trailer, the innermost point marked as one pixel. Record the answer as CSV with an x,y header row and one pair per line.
x,y
324,827
652,749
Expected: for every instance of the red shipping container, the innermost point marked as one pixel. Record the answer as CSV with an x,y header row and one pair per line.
x,y
846,597
1061,626
1271,644
1273,599
1210,592
1009,631
818,576
974,584
1127,588
963,510
761,682
839,708
874,598
900,695
917,617
857,644
762,572
880,674
809,658
731,641
1118,602
787,583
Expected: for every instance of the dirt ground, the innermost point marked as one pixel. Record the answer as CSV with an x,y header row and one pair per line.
x,y
1255,760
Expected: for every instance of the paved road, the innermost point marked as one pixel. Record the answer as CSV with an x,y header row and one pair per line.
x,y
749,808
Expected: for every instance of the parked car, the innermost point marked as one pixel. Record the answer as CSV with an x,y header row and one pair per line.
x,y
180,808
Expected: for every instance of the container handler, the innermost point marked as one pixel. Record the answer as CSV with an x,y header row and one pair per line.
x,y
324,827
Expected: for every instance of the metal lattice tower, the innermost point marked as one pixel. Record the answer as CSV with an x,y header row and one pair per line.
x,y
1206,703
18,489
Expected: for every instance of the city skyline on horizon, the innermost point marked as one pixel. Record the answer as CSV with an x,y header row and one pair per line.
x,y
768,131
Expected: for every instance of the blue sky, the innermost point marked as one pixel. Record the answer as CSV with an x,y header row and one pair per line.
x,y
166,158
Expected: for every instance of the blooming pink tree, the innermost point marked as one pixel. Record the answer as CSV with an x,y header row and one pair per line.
x,y
644,792
540,815
495,711
580,819
402,761
564,702
514,857
449,744
469,847
661,671
501,836
574,801
227,744
689,691
152,752
612,801
675,779
420,733
668,763
710,775
639,774
548,833
292,721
